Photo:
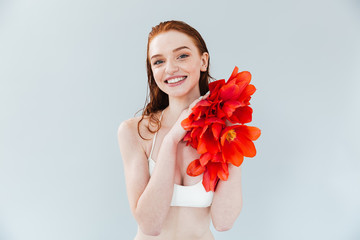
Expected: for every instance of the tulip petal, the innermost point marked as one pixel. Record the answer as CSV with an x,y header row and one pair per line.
x,y
210,178
224,134
243,76
234,73
214,120
246,145
253,133
223,172
230,106
186,123
209,143
203,131
245,96
232,153
198,123
219,113
216,84
201,147
218,158
205,158
187,137
195,168
241,115
229,91
216,130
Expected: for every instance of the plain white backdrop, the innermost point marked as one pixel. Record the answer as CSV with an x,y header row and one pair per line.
x,y
72,71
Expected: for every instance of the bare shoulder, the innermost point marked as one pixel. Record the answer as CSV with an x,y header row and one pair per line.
x,y
129,129
129,137
128,133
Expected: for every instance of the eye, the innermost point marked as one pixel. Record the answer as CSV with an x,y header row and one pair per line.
x,y
158,62
183,55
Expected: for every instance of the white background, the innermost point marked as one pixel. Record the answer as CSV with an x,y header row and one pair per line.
x,y
72,71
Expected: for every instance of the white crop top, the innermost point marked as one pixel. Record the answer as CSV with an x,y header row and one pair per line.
x,y
185,196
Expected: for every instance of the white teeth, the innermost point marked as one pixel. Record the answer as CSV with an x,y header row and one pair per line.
x,y
175,80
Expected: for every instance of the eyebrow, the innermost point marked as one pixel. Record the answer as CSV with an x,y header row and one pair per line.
x,y
175,50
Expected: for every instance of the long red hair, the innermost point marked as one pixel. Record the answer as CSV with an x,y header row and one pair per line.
x,y
157,99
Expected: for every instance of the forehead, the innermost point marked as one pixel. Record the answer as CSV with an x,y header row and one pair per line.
x,y
168,41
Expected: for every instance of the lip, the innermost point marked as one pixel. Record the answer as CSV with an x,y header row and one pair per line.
x,y
176,83
178,76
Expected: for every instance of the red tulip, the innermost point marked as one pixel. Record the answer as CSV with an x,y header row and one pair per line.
x,y
214,171
236,142
207,132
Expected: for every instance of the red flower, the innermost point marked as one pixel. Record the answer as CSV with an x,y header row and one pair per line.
x,y
208,133
214,172
209,138
236,142
214,168
235,97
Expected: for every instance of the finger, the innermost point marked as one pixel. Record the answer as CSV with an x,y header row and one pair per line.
x,y
194,103
206,95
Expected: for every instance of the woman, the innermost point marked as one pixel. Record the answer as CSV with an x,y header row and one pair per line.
x,y
165,201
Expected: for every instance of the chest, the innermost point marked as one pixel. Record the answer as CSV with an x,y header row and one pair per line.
x,y
184,156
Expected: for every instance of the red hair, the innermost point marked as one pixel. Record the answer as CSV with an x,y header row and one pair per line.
x,y
158,99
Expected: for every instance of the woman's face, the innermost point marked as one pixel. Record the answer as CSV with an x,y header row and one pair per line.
x,y
176,64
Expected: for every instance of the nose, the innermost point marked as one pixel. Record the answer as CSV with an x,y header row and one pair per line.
x,y
171,67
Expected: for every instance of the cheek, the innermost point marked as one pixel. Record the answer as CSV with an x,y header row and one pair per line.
x,y
194,67
157,74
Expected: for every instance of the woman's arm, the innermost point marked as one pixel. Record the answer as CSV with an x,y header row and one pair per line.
x,y
149,198
227,201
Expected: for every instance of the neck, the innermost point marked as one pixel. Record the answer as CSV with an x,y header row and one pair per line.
x,y
176,106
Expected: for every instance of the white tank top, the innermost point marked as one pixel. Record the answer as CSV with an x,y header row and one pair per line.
x,y
185,196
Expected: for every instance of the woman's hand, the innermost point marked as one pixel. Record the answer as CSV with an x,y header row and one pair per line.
x,y
177,131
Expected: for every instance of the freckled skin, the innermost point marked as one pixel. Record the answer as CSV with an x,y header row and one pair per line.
x,y
184,62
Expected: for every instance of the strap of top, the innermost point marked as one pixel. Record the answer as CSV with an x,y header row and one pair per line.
x,y
153,143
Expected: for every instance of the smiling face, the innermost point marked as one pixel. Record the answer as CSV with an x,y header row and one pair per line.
x,y
176,64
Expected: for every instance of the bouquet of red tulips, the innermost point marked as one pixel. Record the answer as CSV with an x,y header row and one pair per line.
x,y
216,128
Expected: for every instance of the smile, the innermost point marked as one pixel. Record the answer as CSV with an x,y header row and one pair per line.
x,y
175,80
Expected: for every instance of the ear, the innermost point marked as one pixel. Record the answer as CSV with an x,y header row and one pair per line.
x,y
204,62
